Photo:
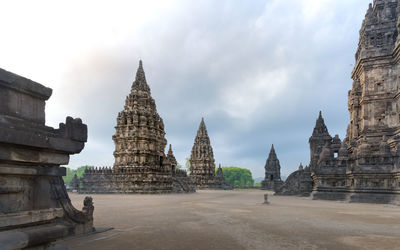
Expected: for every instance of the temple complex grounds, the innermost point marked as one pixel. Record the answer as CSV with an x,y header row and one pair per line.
x,y
236,219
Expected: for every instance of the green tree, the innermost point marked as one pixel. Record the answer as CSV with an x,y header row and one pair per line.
x,y
236,176
71,172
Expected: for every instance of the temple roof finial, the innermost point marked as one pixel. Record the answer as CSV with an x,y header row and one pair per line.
x,y
202,126
272,151
140,80
320,127
170,150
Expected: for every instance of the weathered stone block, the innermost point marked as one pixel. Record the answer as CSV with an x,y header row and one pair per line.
x,y
34,206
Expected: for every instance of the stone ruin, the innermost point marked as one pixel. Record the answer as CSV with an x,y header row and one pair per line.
x,y
220,179
34,205
202,163
272,167
75,183
365,166
300,182
141,165
181,183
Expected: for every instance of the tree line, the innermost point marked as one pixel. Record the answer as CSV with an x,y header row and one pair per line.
x,y
234,176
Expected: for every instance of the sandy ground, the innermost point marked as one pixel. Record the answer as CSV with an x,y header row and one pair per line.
x,y
236,220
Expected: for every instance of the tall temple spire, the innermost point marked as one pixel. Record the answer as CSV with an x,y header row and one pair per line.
x,y
272,151
140,140
272,163
202,128
140,82
320,127
141,165
202,165
319,138
171,157
272,170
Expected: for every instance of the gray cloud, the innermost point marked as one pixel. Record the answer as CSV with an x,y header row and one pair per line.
x,y
258,72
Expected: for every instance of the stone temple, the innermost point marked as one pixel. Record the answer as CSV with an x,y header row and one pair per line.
x,y
220,179
272,172
141,165
35,208
202,163
181,183
365,166
75,183
300,182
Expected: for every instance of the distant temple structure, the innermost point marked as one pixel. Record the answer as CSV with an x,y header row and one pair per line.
x,y
171,158
180,181
35,208
75,183
365,166
298,183
202,163
272,171
220,179
141,165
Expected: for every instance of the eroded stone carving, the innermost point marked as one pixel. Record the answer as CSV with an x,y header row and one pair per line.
x,y
33,199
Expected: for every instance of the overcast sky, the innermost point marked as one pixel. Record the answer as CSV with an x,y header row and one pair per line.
x,y
257,71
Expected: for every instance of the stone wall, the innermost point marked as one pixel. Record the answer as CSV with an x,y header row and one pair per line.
x,y
34,203
298,183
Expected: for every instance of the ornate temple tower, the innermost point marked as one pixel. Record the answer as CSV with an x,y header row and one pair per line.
x,y
319,138
373,100
140,163
366,168
171,159
272,170
140,143
202,164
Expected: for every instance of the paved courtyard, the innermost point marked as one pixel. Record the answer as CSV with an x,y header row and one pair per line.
x,y
236,220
